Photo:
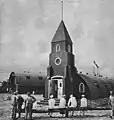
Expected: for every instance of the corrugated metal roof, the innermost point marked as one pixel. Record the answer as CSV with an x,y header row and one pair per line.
x,y
29,79
96,85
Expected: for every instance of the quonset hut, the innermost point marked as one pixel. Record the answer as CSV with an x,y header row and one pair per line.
x,y
62,75
26,82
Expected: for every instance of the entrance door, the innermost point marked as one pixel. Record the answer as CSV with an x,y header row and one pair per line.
x,y
60,88
49,88
52,88
55,87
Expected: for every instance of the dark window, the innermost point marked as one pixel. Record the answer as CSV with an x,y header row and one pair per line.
x,y
27,77
81,87
60,85
57,48
40,77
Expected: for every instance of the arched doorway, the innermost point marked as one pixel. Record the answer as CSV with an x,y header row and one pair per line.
x,y
55,86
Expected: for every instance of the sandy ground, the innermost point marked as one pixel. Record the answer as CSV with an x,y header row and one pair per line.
x,y
5,112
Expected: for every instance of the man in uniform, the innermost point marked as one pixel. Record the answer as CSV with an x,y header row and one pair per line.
x,y
28,105
20,101
14,104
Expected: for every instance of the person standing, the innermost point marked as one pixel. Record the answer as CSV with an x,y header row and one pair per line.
x,y
20,101
51,103
110,94
83,104
28,105
62,104
110,97
72,103
14,104
111,103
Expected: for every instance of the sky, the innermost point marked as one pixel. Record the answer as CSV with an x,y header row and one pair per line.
x,y
28,26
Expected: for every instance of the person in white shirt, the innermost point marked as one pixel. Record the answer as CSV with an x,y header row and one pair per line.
x,y
83,101
51,103
62,104
72,103
83,104
111,104
110,95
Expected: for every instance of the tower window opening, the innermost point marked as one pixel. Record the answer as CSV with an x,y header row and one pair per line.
x,y
27,77
57,48
69,48
81,87
40,77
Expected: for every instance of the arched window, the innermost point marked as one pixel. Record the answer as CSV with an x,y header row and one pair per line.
x,y
81,87
57,48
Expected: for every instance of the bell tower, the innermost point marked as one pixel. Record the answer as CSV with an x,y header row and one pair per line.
x,y
61,51
61,64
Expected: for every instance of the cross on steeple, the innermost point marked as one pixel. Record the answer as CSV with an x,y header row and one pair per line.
x,y
62,10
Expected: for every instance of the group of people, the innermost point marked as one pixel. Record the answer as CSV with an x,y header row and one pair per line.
x,y
72,103
17,102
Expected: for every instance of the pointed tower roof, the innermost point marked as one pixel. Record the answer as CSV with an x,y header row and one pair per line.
x,y
62,34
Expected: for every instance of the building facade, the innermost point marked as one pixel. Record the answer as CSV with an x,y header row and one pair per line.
x,y
62,75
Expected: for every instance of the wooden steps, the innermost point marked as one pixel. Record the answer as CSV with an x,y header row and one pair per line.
x,y
91,103
45,101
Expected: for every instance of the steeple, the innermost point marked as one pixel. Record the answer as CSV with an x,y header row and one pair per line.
x,y
62,34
